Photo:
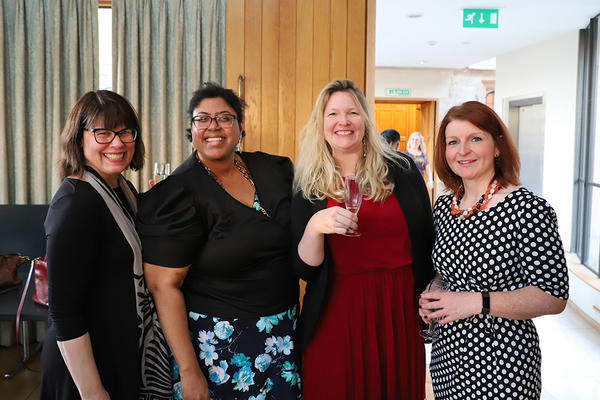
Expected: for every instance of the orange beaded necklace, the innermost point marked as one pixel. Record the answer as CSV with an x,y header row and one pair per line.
x,y
493,188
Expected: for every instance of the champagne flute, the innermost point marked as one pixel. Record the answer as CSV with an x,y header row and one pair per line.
x,y
432,333
352,199
161,171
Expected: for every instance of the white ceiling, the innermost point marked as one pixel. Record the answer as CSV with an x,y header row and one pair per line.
x,y
438,40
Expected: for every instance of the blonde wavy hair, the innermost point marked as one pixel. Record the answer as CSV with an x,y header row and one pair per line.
x,y
417,134
317,174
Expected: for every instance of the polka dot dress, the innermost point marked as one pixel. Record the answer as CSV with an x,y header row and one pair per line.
x,y
511,245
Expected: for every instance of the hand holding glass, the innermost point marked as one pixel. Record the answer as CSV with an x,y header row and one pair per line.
x,y
161,171
432,333
352,198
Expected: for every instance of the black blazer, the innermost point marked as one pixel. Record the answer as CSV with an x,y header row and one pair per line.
x,y
411,193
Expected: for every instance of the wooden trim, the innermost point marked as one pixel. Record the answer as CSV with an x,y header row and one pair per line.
x,y
370,55
105,3
584,315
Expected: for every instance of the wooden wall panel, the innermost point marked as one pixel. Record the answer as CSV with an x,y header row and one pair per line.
x,y
287,86
321,45
287,51
252,73
339,36
234,43
356,42
270,77
304,61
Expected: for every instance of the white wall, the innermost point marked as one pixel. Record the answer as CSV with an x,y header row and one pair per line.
x,y
548,69
451,87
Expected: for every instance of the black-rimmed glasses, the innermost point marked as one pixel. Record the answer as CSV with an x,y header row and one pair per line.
x,y
105,136
223,120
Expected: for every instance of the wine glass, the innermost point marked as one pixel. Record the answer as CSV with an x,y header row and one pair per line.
x,y
161,171
352,198
432,333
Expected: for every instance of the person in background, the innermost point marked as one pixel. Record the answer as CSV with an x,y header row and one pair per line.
x,y
415,149
359,323
392,138
216,241
98,302
498,249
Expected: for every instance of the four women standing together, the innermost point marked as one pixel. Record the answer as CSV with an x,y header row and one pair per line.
x,y
222,237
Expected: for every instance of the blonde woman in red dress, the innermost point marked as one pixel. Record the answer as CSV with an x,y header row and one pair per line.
x,y
359,322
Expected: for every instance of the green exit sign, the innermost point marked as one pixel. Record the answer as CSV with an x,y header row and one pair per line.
x,y
397,92
480,18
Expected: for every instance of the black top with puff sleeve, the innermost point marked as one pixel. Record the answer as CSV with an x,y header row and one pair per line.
x,y
240,258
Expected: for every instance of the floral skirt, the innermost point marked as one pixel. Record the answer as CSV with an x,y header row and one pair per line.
x,y
245,358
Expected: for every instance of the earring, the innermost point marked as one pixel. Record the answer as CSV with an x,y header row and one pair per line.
x,y
239,147
365,147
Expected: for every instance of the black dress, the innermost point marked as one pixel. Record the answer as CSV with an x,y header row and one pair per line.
x,y
91,290
512,245
240,292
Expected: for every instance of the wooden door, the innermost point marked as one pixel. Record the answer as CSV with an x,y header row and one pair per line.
x,y
405,118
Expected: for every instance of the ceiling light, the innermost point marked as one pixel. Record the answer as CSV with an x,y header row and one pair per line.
x,y
415,15
466,42
423,61
432,43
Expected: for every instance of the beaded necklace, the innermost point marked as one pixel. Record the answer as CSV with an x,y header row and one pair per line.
x,y
246,174
493,188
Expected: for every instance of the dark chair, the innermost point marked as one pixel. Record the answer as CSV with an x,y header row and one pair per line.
x,y
22,232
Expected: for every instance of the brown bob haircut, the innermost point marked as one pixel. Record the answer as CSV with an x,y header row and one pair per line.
x,y
507,165
115,110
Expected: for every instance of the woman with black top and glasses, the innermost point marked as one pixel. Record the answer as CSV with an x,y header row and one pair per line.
x,y
101,320
216,241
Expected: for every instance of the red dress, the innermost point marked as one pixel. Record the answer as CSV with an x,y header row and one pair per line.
x,y
367,343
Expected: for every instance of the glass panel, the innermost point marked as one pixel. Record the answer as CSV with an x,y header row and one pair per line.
x,y
593,240
595,139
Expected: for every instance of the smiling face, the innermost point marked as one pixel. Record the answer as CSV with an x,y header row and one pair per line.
x,y
109,159
470,152
414,142
343,125
215,143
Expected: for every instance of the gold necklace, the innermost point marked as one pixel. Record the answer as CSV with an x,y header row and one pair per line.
x,y
246,174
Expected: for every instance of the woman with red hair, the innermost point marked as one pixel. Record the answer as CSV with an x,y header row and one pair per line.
x,y
498,250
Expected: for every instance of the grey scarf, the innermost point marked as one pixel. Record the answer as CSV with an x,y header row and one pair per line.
x,y
155,355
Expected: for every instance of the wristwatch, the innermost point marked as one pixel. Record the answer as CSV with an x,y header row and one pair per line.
x,y
485,304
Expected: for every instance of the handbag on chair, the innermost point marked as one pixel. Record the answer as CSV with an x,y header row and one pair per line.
x,y
9,263
39,269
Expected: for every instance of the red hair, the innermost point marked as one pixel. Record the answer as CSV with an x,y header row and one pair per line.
x,y
507,165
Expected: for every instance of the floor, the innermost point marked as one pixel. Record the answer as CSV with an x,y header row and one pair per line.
x,y
570,366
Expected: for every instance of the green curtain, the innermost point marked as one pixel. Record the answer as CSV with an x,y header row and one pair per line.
x,y
162,51
48,59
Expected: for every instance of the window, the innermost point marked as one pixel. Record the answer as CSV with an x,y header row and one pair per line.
x,y
586,218
105,47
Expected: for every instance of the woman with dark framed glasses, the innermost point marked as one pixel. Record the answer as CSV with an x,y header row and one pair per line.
x,y
216,244
100,318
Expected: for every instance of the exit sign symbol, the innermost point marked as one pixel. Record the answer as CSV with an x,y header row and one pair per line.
x,y
480,18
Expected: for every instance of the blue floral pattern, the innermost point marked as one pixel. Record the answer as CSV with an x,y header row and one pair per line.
x,y
245,359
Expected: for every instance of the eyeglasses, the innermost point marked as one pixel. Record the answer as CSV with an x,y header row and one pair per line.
x,y
223,120
105,136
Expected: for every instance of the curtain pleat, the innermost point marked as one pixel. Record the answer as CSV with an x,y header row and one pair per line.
x,y
49,59
162,51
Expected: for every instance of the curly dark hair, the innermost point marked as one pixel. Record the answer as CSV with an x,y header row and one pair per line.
x,y
210,90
